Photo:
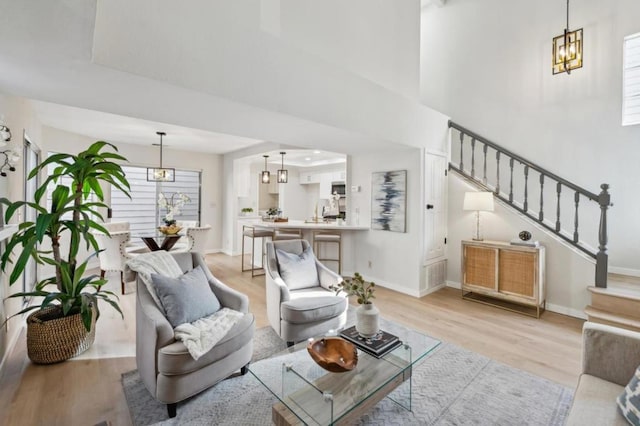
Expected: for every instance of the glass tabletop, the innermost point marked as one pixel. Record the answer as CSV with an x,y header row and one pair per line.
x,y
317,396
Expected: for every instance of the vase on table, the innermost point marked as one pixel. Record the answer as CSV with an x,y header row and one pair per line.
x,y
367,320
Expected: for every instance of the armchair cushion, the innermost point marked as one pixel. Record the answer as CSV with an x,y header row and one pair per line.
x,y
186,298
310,309
298,271
175,359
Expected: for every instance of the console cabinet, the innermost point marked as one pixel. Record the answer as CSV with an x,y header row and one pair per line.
x,y
504,275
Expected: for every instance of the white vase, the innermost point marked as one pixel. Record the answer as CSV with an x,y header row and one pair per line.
x,y
367,320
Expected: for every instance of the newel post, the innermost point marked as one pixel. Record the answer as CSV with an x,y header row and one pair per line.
x,y
602,258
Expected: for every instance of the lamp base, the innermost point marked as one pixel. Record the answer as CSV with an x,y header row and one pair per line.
x,y
478,239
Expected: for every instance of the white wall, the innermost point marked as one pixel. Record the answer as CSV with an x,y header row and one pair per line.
x,y
379,40
293,195
568,271
487,65
139,155
395,257
19,116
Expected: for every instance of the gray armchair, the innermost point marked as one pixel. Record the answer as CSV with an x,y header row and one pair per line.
x,y
167,369
299,313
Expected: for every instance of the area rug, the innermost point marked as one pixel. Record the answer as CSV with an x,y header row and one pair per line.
x,y
452,386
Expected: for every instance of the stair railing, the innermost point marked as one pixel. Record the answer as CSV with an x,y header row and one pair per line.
x,y
603,199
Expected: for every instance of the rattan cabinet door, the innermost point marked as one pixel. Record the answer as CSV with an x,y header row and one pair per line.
x,y
480,267
518,272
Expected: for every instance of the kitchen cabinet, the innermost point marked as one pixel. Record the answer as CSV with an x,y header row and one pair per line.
x,y
325,185
499,271
309,177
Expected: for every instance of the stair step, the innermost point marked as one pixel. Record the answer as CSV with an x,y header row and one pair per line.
x,y
617,320
619,291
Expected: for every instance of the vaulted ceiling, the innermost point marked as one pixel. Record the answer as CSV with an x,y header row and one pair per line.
x,y
204,71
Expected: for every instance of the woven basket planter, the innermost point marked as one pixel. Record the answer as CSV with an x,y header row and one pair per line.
x,y
53,338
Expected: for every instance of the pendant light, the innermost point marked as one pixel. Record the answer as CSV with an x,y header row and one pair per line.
x,y
266,177
161,174
567,50
283,175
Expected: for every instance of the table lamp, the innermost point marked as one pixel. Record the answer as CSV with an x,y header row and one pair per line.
x,y
480,202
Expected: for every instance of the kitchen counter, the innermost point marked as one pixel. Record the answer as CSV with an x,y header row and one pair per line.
x,y
301,224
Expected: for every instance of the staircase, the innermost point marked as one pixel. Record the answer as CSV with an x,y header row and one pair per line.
x,y
521,185
618,304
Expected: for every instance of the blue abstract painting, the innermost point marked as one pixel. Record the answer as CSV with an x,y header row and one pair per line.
x,y
388,200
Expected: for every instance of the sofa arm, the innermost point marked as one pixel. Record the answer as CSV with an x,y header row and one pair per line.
x,y
229,297
153,332
327,277
610,353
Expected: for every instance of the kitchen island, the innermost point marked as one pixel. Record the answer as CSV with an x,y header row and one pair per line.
x,y
327,250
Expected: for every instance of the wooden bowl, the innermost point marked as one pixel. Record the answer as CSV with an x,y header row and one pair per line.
x,y
170,230
333,354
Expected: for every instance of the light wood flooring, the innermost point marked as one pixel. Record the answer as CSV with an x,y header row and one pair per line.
x,y
88,391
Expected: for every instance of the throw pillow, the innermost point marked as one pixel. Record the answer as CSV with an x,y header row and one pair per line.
x,y
298,271
629,401
186,298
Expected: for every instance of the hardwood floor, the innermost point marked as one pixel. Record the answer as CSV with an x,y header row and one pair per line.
x,y
88,391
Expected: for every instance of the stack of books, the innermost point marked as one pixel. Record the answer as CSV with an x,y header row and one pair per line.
x,y
377,346
518,242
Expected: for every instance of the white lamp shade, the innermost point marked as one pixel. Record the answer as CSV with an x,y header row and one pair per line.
x,y
478,201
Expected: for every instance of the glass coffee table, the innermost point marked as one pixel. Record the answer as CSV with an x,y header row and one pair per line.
x,y
310,395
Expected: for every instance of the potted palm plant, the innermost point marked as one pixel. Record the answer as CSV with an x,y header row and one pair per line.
x,y
63,324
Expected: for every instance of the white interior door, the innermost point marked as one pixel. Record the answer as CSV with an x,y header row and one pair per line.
x,y
435,186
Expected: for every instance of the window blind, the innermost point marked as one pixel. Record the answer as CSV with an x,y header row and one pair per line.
x,y
631,81
142,211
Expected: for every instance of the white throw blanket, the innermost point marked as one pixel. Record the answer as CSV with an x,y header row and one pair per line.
x,y
203,334
157,262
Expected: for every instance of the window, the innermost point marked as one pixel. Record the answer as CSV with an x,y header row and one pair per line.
x,y
631,80
142,211
31,160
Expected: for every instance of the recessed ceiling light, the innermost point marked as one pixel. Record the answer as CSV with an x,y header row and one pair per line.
x,y
316,152
308,158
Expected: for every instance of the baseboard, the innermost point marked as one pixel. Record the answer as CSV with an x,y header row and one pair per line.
x,y
566,311
454,284
551,307
625,271
213,251
10,347
385,284
432,290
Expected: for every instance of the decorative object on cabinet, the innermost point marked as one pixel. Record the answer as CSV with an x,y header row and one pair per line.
x,y
265,175
524,235
388,200
503,275
161,174
567,50
478,202
283,174
246,210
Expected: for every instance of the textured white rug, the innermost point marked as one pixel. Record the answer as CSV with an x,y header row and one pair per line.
x,y
452,386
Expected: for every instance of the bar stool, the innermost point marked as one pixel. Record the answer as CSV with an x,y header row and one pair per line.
x,y
253,233
328,237
287,234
